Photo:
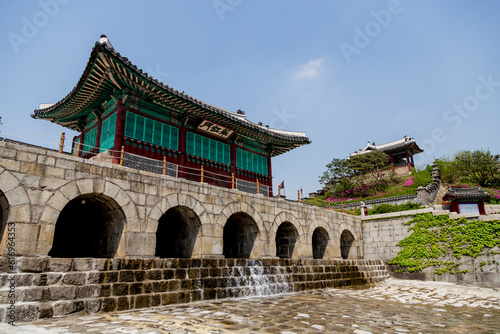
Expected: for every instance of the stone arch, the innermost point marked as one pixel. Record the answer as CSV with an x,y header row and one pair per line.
x,y
89,225
356,247
177,232
260,246
71,190
299,247
286,238
346,241
240,232
4,218
14,207
320,240
171,201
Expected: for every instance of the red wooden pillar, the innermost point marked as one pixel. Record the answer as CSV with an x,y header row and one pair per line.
x,y
182,149
481,208
98,136
119,131
408,161
270,175
82,143
393,163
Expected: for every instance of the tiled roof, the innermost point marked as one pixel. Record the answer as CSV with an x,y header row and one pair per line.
x,y
404,143
473,194
107,70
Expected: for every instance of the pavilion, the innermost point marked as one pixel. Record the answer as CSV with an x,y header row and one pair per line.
x,y
400,152
120,111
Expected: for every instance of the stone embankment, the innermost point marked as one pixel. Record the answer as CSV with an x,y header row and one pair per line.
x,y
48,287
382,234
391,306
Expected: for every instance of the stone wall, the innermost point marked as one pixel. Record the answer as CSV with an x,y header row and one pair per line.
x,y
37,185
47,287
382,233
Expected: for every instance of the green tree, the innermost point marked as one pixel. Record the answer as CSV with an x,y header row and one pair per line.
x,y
336,171
480,165
373,162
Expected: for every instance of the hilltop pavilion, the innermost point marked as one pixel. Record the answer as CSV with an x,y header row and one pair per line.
x,y
400,152
118,108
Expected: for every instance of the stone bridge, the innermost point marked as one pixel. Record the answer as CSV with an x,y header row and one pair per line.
x,y
57,205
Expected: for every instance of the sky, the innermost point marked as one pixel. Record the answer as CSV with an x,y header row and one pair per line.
x,y
344,72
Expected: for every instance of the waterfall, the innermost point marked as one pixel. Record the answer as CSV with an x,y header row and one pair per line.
x,y
257,280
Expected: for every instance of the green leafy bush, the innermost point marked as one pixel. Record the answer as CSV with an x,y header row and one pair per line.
x,y
435,238
387,208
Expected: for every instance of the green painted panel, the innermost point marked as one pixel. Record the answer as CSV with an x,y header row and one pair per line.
x,y
251,161
151,131
207,148
108,133
89,140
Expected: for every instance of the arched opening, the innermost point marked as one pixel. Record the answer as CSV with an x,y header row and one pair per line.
x,y
90,225
239,236
177,232
319,242
346,240
4,215
286,237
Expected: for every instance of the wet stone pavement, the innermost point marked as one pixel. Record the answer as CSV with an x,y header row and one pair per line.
x,y
392,306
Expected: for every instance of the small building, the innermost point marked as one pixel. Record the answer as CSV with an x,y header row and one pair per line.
x,y
400,152
466,200
120,111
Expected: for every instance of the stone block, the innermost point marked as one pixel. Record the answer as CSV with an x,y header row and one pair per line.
x,y
75,278
65,164
62,292
142,301
105,290
120,289
46,310
87,291
68,307
110,276
169,298
126,276
140,244
93,305
101,264
174,285
46,160
136,288
58,264
10,164
26,313
123,303
30,294
140,275
109,304
23,280
83,264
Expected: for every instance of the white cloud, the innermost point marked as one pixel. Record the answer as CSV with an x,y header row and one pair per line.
x,y
309,70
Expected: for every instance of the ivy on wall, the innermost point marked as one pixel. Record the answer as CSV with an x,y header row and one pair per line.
x,y
435,238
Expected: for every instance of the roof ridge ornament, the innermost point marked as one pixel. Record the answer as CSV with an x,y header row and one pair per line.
x,y
104,40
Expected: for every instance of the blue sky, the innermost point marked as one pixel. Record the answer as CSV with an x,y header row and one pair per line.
x,y
345,72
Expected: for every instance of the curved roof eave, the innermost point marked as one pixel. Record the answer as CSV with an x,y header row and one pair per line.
x,y
289,136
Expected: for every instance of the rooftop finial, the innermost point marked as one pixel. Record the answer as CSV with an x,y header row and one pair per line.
x,y
105,40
